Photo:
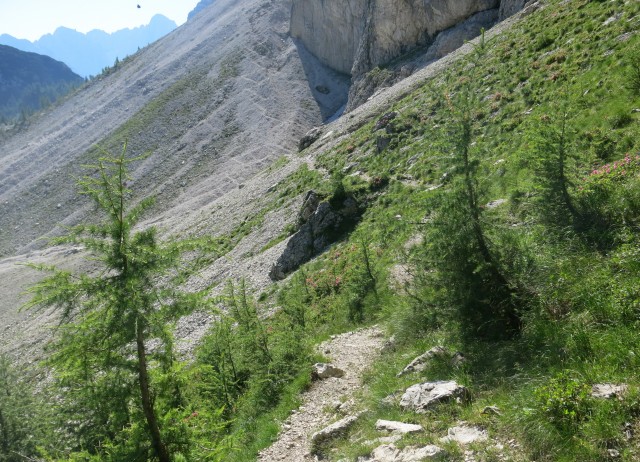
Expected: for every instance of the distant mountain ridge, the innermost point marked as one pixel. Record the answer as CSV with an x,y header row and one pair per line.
x,y
88,54
199,7
29,80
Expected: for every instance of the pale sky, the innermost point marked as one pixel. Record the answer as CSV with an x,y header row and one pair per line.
x,y
31,19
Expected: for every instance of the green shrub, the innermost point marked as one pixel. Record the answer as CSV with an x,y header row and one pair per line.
x,y
620,118
564,401
609,199
20,430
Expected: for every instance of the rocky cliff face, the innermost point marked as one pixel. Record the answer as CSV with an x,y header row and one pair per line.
x,y
354,36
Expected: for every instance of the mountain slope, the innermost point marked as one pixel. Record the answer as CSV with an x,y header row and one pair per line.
x,y
499,183
29,80
88,54
212,103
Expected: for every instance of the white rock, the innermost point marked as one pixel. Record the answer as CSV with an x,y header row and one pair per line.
x,y
465,435
397,427
424,396
609,390
420,363
390,453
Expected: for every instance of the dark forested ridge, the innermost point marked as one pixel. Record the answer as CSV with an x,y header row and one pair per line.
x,y
29,81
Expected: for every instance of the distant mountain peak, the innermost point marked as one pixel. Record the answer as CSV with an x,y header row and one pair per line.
x,y
88,54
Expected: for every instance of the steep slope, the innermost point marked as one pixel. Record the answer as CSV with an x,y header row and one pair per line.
x,y
29,80
212,103
202,96
502,179
560,83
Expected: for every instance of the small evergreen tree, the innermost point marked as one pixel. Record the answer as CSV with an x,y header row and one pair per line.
x,y
112,376
461,266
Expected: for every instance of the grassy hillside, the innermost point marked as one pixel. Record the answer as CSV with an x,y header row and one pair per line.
x,y
546,117
556,93
501,204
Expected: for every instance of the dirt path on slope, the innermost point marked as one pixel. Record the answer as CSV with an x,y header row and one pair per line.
x,y
352,352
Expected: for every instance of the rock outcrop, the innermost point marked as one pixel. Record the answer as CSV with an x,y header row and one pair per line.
x,y
320,224
354,36
358,37
365,85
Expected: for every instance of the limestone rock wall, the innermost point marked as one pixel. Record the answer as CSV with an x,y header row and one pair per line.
x,y
354,36
330,29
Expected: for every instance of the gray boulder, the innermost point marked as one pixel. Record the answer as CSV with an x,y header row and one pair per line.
x,y
320,225
424,396
311,238
309,138
321,371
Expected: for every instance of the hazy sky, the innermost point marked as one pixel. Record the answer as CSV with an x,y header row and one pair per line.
x,y
31,19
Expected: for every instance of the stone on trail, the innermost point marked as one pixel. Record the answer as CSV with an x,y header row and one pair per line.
x,y
331,432
323,371
424,396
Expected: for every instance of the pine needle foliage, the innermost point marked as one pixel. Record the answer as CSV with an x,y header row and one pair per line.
x,y
115,359
460,259
19,426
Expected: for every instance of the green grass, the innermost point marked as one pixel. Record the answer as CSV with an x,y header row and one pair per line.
x,y
581,315
577,280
